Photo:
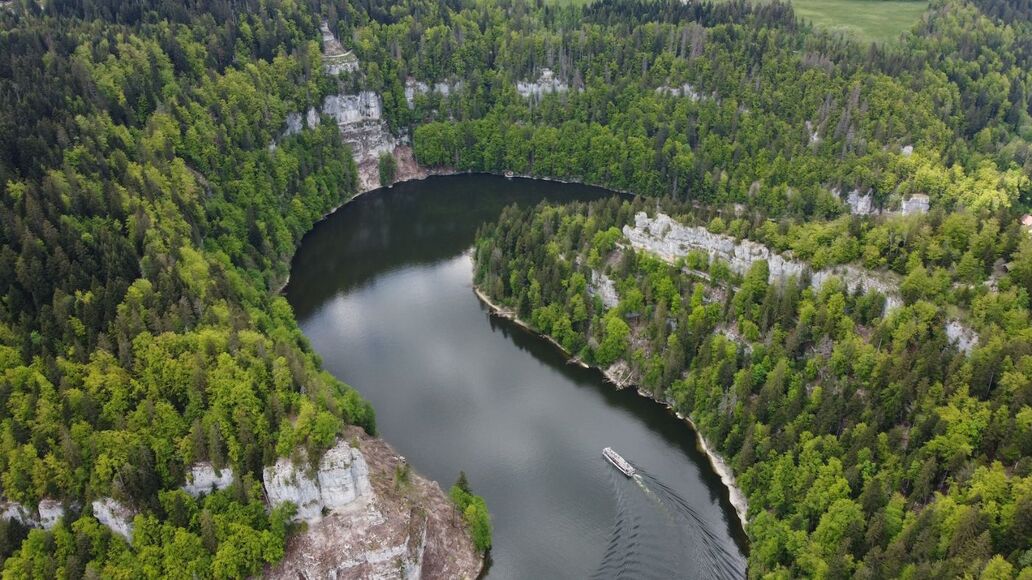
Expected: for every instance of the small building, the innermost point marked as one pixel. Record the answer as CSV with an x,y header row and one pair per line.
x,y
916,204
1026,222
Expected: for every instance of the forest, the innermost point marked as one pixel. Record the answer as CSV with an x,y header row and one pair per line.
x,y
867,443
146,225
150,206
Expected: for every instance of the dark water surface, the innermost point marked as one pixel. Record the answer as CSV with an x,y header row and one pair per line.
x,y
383,290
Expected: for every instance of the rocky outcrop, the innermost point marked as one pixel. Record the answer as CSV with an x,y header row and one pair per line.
x,y
340,478
392,529
358,116
115,515
915,204
204,478
546,83
414,88
860,204
335,59
602,286
960,336
45,516
686,90
12,510
360,120
670,240
50,512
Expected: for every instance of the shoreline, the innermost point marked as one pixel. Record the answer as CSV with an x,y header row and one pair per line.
x,y
419,177
717,462
736,498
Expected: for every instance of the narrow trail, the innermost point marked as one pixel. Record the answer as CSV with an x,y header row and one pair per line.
x,y
664,547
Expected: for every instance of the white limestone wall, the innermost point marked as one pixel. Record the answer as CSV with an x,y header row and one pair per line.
x,y
115,515
204,478
670,240
341,478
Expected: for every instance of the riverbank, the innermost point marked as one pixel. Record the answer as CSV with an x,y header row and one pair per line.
x,y
616,374
720,467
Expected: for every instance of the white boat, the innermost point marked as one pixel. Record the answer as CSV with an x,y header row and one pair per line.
x,y
618,462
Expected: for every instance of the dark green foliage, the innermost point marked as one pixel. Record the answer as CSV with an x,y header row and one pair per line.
x,y
388,168
145,221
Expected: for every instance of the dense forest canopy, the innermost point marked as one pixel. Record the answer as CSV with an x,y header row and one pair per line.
x,y
868,443
145,219
150,202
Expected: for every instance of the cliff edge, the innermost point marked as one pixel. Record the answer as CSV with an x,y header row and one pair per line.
x,y
395,526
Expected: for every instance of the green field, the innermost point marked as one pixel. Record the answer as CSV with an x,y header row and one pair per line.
x,y
867,20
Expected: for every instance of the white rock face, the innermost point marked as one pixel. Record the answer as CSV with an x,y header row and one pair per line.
x,y
686,90
12,510
50,511
342,477
285,482
312,118
961,336
295,123
815,137
335,59
204,478
860,204
545,84
915,204
671,240
114,515
351,109
603,287
414,88
360,119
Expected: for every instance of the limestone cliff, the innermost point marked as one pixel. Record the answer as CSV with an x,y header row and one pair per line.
x,y
115,515
204,478
341,477
44,516
365,522
546,83
669,239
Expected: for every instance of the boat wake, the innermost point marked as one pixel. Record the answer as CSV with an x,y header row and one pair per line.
x,y
658,534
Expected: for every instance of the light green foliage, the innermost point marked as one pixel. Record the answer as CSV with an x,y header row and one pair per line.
x,y
881,21
614,340
139,335
474,513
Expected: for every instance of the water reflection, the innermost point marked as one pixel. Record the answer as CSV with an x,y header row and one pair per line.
x,y
382,290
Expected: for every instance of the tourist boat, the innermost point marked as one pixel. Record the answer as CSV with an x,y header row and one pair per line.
x,y
618,462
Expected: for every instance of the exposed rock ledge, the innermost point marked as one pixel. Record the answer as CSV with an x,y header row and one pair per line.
x,y
115,515
45,516
204,478
341,478
669,240
386,531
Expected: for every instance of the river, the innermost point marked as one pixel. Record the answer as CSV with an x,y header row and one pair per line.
x,y
382,289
